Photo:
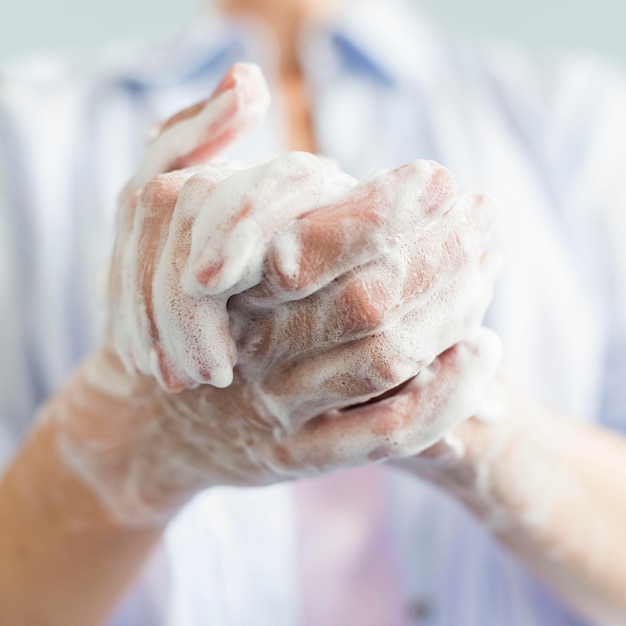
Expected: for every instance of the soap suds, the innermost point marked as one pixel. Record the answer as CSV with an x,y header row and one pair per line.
x,y
272,296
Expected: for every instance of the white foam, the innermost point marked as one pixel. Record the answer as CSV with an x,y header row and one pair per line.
x,y
406,284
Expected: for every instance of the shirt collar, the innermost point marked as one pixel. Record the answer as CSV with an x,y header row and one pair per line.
x,y
388,41
209,46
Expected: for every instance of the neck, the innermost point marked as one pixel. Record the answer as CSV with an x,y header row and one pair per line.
x,y
285,19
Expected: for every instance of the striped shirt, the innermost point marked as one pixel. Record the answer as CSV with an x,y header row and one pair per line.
x,y
547,140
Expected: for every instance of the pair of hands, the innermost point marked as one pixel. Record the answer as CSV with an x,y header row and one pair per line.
x,y
305,321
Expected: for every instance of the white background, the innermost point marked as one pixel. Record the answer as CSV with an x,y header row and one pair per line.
x,y
85,25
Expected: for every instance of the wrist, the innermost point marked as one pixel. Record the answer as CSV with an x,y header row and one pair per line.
x,y
59,538
510,469
485,462
109,430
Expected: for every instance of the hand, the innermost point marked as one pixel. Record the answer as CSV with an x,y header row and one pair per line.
x,y
359,295
337,292
145,452
191,238
146,222
196,237
547,486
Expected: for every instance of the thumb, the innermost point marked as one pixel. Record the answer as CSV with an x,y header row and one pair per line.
x,y
236,108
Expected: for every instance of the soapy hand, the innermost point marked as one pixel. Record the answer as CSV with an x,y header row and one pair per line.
x,y
358,296
145,298
299,295
145,452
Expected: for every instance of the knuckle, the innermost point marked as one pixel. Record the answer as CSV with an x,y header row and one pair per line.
x,y
390,365
284,267
365,305
295,264
199,182
455,246
157,192
439,189
300,163
421,278
194,188
286,172
395,434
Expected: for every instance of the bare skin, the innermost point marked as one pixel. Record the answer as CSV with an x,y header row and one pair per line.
x,y
64,561
550,489
301,133
284,19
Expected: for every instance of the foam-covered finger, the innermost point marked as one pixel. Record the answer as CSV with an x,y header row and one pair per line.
x,y
452,312
193,343
197,348
439,285
371,302
374,218
116,279
403,424
236,108
365,303
445,248
336,376
419,322
139,248
236,221
351,308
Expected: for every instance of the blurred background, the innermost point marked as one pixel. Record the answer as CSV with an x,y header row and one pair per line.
x,y
85,25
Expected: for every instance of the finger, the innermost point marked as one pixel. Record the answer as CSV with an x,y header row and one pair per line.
x,y
335,375
453,312
357,305
194,344
236,221
236,108
352,308
444,393
376,297
372,220
144,220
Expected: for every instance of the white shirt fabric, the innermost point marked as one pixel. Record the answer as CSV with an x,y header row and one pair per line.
x,y
549,143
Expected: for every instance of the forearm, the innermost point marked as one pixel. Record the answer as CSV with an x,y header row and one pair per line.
x,y
63,558
553,491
